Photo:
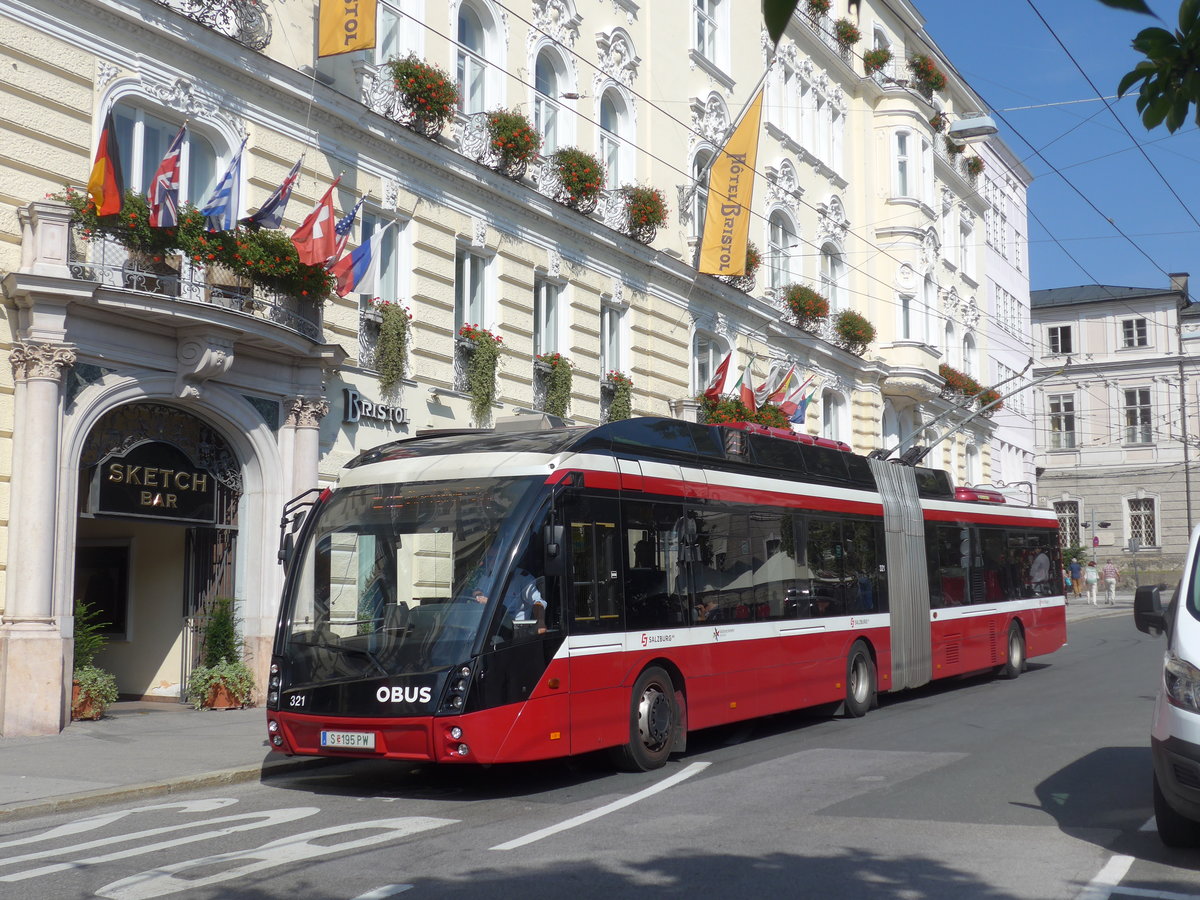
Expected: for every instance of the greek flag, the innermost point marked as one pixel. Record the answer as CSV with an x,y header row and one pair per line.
x,y
221,209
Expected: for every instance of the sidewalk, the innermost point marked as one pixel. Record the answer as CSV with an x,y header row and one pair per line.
x,y
139,749
142,749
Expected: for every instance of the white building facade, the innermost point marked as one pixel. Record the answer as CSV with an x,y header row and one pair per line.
x,y
243,395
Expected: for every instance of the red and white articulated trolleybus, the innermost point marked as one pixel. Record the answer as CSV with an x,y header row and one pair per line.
x,y
499,596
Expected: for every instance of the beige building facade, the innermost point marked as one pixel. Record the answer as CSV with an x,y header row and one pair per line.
x,y
216,403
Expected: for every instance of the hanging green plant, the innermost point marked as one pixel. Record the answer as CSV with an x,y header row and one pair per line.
x,y
939,122
805,307
953,148
556,370
876,59
391,351
989,395
853,332
973,166
621,386
482,363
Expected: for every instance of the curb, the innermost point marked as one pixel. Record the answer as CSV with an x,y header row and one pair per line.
x,y
166,787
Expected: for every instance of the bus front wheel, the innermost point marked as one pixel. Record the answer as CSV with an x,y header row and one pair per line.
x,y
653,720
860,681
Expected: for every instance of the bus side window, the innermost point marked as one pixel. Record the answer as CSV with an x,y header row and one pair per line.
x,y
654,535
594,599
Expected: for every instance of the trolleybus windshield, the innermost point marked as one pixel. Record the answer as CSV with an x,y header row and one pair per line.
x,y
391,577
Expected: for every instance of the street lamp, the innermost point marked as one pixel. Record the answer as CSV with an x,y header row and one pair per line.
x,y
971,128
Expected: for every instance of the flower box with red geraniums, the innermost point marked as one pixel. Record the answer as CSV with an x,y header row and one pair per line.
x,y
973,166
512,137
805,306
926,73
430,93
876,59
581,175
647,207
846,33
852,332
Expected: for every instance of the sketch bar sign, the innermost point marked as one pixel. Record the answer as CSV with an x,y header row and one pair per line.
x,y
153,480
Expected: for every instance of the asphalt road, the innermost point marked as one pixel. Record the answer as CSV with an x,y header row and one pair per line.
x,y
1037,788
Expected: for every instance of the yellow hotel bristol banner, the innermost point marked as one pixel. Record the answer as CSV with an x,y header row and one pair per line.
x,y
346,25
730,192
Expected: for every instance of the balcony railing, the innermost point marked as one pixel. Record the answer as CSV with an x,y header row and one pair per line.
x,y
246,21
175,276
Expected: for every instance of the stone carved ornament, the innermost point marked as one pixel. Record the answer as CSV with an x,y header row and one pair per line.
x,y
307,412
557,19
710,119
192,101
833,224
201,357
617,59
40,361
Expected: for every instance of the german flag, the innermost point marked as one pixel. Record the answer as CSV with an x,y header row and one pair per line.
x,y
105,184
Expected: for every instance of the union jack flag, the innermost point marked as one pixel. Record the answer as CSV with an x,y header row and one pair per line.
x,y
164,189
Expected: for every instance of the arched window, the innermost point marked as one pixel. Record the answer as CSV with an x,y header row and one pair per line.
x,y
890,427
614,139
968,360
902,165
547,83
700,182
951,348
974,472
707,353
833,274
143,138
472,60
929,311
781,243
833,413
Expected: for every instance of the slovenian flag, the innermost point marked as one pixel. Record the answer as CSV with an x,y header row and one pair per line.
x,y
358,269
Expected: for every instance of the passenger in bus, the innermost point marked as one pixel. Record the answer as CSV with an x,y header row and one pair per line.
x,y
1039,574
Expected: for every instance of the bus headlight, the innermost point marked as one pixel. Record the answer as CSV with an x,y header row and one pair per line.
x,y
454,699
1183,683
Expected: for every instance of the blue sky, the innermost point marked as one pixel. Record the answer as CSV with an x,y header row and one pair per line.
x,y
1012,60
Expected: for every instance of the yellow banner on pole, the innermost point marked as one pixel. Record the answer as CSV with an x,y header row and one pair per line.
x,y
345,25
730,192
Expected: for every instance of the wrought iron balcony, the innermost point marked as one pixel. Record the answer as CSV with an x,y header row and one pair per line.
x,y
246,21
109,263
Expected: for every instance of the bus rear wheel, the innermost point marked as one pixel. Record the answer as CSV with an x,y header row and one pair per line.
x,y
653,721
1016,653
860,681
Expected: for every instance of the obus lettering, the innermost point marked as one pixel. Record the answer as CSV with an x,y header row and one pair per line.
x,y
404,694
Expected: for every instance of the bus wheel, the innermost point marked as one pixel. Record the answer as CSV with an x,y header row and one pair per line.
x,y
860,681
653,719
1016,653
1173,829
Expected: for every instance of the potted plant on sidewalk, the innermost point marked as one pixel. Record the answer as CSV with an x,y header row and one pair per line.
x,y
92,688
224,681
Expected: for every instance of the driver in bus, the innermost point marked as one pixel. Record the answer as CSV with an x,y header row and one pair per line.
x,y
523,599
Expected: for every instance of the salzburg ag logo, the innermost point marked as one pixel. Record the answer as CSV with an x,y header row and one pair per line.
x,y
648,639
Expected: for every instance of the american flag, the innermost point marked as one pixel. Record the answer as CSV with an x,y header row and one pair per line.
x,y
342,230
221,208
164,189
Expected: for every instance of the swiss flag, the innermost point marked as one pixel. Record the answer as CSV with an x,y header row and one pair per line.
x,y
717,385
316,238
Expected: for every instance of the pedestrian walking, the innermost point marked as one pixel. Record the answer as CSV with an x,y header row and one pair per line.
x,y
1076,572
1110,574
1091,577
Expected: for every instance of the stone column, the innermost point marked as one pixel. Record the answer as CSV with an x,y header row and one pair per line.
x,y
37,659
305,418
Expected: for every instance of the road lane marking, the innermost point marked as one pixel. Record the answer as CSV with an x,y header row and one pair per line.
x,y
1157,895
1151,825
298,848
1109,878
248,821
93,822
693,769
381,893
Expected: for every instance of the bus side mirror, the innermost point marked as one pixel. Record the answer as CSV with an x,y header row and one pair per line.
x,y
1148,615
555,555
287,536
286,546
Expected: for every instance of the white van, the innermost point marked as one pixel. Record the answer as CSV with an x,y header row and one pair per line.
x,y
1175,737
